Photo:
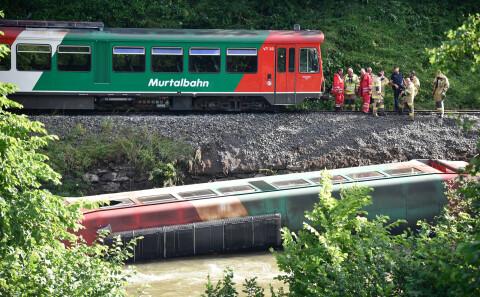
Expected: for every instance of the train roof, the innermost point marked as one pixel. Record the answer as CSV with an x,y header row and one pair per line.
x,y
277,183
96,31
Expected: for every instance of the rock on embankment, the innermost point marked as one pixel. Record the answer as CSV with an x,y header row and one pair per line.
x,y
242,144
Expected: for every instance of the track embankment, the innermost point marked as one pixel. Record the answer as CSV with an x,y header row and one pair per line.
x,y
242,145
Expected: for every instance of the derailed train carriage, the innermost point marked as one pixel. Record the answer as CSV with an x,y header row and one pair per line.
x,y
82,65
247,214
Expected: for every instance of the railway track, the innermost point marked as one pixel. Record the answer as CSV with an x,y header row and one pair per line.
x,y
160,113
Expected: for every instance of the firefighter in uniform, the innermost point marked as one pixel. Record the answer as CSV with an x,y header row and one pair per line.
x,y
380,82
440,87
408,98
351,84
365,90
338,89
415,81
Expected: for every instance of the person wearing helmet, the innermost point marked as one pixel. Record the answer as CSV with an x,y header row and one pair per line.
x,y
416,82
440,87
408,98
351,82
338,89
380,82
365,90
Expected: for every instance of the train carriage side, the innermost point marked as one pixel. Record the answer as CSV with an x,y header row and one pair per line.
x,y
178,69
405,191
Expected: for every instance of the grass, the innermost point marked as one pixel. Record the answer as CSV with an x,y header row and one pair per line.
x,y
147,154
382,34
359,33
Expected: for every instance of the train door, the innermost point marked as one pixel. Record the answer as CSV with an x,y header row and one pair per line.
x,y
285,74
102,58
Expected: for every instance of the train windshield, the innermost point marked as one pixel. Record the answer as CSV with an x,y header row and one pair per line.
x,y
308,60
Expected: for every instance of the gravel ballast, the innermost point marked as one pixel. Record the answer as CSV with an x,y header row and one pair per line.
x,y
242,144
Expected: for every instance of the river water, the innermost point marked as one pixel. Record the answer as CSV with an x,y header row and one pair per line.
x,y
187,276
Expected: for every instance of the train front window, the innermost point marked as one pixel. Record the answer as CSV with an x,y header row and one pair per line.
x,y
128,59
242,60
167,59
281,59
204,60
34,57
5,61
308,60
73,58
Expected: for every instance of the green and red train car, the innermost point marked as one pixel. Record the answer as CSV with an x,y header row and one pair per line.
x,y
62,65
247,214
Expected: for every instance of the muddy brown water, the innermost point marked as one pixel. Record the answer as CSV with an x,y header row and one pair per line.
x,y
188,276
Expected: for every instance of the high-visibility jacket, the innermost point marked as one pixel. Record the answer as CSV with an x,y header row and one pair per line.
x,y
410,93
379,85
440,87
365,84
351,84
338,84
416,84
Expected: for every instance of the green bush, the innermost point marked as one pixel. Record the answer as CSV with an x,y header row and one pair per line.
x,y
156,158
39,254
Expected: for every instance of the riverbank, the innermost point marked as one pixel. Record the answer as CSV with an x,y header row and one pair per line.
x,y
207,147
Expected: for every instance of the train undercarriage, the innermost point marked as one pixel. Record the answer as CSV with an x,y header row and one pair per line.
x,y
143,103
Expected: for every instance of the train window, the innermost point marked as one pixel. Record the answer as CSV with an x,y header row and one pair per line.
x,y
117,203
262,186
236,189
34,57
242,60
283,184
5,61
291,59
403,171
365,175
335,179
167,59
128,59
197,194
206,60
308,60
73,58
156,198
281,59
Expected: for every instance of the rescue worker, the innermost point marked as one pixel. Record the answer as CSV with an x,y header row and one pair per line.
x,y
370,72
351,82
365,90
380,82
338,89
440,87
415,81
408,98
396,81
